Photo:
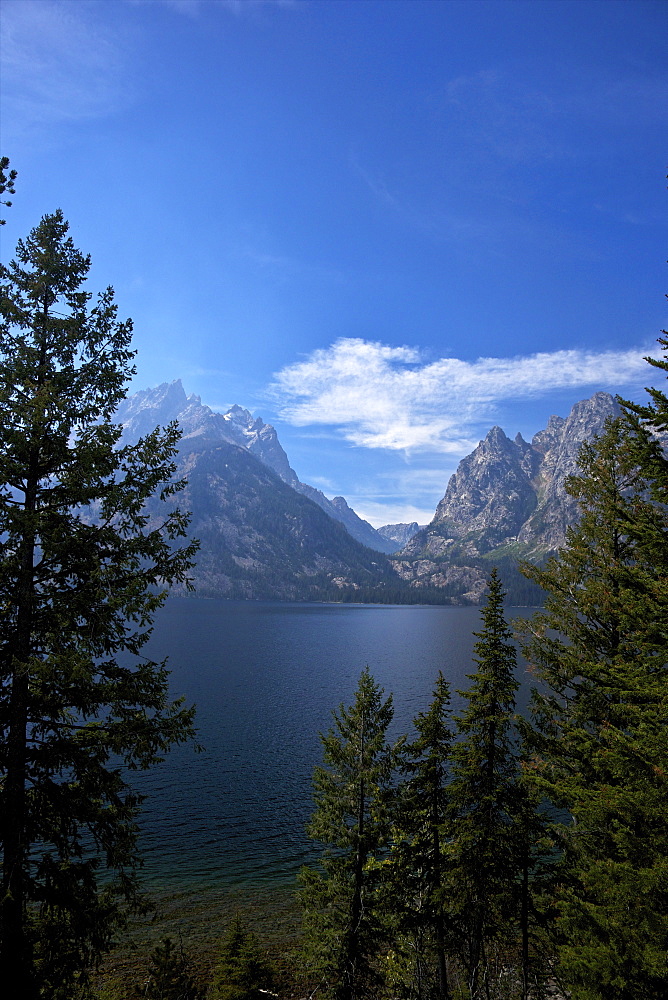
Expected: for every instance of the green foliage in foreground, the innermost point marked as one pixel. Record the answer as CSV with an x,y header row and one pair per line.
x,y
354,796
600,744
243,971
429,846
82,570
483,795
170,976
417,868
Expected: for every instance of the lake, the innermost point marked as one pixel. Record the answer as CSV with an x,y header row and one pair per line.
x,y
265,677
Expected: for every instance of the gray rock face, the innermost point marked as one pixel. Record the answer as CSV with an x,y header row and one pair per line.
x,y
201,426
559,445
338,508
506,496
260,539
490,493
399,534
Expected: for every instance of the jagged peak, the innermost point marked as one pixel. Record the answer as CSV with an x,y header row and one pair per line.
x,y
496,433
600,402
240,415
237,411
496,439
174,388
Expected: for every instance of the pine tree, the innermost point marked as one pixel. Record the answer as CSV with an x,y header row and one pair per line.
x,y
483,797
242,971
81,572
417,869
7,179
601,740
353,795
170,976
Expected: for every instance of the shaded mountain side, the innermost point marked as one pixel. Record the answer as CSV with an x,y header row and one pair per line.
x,y
203,428
260,539
338,508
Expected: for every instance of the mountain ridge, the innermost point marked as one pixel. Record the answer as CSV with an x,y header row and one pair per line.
x,y
266,535
203,427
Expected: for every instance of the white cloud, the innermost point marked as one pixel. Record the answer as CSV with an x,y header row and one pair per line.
x,y
387,397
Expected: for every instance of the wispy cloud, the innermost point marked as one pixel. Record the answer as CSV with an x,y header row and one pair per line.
x,y
238,8
284,267
535,125
378,396
516,122
60,63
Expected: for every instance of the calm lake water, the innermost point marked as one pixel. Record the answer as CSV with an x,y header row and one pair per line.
x,y
265,677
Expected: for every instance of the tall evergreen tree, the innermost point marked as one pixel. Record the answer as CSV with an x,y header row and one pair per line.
x,y
601,740
483,797
418,860
353,796
81,572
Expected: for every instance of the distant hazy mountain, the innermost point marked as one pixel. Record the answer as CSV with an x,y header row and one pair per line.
x,y
399,534
505,501
203,428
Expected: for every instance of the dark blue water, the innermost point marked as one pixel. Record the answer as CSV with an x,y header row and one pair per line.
x,y
265,678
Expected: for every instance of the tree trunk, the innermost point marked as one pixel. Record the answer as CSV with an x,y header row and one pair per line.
x,y
443,992
15,954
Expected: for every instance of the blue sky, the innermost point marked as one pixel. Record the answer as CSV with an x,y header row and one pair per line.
x,y
381,226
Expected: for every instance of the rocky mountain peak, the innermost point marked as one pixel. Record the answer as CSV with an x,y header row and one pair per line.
x,y
243,419
559,446
545,439
147,409
489,493
496,438
506,495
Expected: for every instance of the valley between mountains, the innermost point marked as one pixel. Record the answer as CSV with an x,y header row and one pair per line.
x,y
265,535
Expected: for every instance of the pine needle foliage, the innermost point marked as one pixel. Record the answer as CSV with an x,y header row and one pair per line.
x,y
354,793
417,875
170,976
600,746
243,971
81,572
483,797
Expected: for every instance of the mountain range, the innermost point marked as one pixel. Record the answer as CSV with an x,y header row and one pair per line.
x,y
203,428
266,535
